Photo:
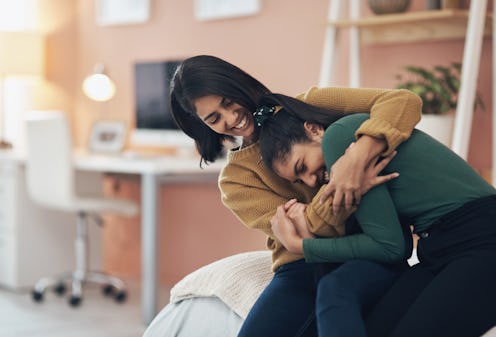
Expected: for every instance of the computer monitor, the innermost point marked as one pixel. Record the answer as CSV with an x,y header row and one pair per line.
x,y
155,125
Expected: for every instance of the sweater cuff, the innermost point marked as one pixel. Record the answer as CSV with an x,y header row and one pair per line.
x,y
321,219
382,130
319,227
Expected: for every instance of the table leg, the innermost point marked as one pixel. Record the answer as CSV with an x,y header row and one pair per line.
x,y
149,234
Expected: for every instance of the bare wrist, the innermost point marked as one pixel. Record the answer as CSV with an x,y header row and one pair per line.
x,y
370,147
296,246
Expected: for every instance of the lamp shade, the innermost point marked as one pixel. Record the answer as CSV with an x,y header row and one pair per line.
x,y
21,53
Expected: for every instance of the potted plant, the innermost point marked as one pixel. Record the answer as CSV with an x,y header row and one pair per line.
x,y
438,88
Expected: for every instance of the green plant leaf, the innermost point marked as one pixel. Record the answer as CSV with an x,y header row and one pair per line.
x,y
437,87
449,78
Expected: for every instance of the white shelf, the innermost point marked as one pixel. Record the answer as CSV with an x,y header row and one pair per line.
x,y
409,27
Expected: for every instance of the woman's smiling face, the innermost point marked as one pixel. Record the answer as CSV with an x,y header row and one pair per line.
x,y
225,116
304,163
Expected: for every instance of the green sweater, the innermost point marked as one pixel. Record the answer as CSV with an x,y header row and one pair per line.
x,y
433,181
253,191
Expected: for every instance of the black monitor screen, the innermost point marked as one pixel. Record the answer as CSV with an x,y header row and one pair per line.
x,y
152,85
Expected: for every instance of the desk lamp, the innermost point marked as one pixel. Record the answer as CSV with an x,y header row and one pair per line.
x,y
21,54
105,136
98,86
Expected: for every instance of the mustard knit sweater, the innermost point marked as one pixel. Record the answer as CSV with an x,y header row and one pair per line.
x,y
253,192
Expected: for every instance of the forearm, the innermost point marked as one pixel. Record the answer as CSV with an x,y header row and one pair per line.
x,y
393,117
322,220
369,147
382,238
393,113
358,246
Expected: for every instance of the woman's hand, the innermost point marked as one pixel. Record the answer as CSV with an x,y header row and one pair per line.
x,y
285,231
372,177
296,212
348,174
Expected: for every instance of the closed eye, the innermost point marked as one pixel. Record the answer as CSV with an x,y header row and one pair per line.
x,y
212,118
299,169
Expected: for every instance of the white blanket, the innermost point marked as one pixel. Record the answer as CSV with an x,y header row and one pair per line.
x,y
237,280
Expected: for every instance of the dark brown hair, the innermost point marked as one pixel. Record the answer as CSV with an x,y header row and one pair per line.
x,y
280,131
205,75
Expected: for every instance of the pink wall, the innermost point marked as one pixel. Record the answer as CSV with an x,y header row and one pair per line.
x,y
282,46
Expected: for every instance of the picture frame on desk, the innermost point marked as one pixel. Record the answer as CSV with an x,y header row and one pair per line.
x,y
107,137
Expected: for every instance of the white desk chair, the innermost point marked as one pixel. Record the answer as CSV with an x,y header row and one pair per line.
x,y
50,182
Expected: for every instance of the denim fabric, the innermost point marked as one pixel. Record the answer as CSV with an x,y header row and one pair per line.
x,y
345,295
286,308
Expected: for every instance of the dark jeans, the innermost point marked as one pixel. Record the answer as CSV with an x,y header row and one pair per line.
x,y
286,308
345,295
452,291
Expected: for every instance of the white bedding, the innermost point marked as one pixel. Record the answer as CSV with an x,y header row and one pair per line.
x,y
215,299
195,317
237,280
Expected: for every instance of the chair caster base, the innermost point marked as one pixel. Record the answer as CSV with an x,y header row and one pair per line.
x,y
37,296
60,289
75,301
120,296
108,290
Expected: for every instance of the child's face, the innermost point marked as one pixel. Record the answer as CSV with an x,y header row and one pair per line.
x,y
304,164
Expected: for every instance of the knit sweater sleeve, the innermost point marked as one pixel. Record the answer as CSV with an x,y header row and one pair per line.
x,y
251,202
322,221
252,191
393,113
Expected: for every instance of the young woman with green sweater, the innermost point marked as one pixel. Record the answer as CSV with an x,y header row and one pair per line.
x,y
213,101
451,292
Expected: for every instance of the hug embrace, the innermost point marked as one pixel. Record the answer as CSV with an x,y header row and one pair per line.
x,y
339,232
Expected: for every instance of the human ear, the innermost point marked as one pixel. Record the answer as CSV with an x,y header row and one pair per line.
x,y
314,131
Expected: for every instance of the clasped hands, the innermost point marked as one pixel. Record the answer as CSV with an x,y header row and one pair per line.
x,y
289,224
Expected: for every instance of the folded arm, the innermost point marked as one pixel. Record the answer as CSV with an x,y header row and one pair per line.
x,y
393,116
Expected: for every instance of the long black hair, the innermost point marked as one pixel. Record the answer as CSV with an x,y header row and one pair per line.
x,y
281,130
205,75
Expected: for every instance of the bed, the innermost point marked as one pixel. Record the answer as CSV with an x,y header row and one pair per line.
x,y
214,300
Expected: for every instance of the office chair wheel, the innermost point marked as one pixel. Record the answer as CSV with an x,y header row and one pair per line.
x,y
75,301
60,289
120,296
37,296
108,290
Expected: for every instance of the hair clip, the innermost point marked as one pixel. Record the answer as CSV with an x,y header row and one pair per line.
x,y
262,113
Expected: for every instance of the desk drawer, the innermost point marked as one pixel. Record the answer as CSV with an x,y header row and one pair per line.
x,y
8,262
8,198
